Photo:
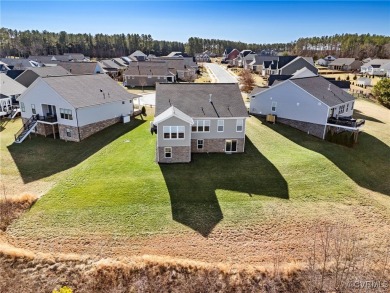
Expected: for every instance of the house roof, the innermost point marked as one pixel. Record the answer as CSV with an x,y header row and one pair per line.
x,y
194,99
49,71
377,62
303,72
88,90
138,56
323,90
107,63
257,90
19,63
9,87
76,56
342,61
119,61
79,67
159,68
173,112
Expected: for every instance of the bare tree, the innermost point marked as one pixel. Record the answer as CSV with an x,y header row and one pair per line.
x,y
246,80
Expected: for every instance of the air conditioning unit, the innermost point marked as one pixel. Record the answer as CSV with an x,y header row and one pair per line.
x,y
126,119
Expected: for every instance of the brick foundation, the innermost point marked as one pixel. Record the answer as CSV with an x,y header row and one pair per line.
x,y
180,154
216,145
88,130
310,128
74,133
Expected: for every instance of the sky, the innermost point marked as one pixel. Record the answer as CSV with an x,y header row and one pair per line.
x,y
245,21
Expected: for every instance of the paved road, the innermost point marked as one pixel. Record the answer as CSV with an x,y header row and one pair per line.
x,y
220,74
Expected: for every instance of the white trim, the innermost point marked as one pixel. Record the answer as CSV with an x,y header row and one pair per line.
x,y
223,125
342,126
165,157
231,140
177,133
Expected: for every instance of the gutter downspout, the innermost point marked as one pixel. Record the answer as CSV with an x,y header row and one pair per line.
x,y
78,128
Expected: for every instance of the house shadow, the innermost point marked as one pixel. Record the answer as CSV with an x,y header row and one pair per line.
x,y
359,115
41,157
366,163
192,187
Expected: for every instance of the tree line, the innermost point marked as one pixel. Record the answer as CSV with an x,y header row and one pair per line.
x,y
34,42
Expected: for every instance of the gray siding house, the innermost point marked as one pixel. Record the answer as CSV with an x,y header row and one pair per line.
x,y
198,118
311,104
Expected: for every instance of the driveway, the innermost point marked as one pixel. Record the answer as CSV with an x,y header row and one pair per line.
x,y
220,74
148,99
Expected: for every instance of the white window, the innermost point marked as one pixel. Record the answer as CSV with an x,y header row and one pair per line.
x,y
221,124
200,144
201,126
22,107
68,132
341,109
33,110
273,107
346,110
239,125
168,152
173,132
352,105
231,145
66,114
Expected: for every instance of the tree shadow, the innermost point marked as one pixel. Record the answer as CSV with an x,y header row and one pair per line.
x,y
359,115
42,156
367,163
192,186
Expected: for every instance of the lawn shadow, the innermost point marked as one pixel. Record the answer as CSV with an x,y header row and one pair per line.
x,y
192,187
41,156
366,163
359,115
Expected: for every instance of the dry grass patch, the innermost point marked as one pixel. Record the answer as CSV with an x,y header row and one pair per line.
x,y
12,207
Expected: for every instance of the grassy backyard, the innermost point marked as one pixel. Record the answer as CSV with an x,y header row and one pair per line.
x,y
108,189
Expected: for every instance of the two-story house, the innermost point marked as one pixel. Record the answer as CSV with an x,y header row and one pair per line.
x,y
198,118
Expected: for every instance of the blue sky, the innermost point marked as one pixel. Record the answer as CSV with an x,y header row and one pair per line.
x,y
246,21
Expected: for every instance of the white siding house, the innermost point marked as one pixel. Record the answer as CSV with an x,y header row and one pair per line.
x,y
73,106
309,104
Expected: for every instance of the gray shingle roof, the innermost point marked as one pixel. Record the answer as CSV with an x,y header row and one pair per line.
x,y
88,90
342,61
50,71
159,68
79,67
319,88
9,87
193,99
107,63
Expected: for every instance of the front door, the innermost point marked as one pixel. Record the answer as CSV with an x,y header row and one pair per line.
x,y
230,146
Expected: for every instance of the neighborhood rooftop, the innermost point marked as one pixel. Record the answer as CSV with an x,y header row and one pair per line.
x,y
9,87
194,99
323,90
88,90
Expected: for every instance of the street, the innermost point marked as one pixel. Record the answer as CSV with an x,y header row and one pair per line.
x,y
220,74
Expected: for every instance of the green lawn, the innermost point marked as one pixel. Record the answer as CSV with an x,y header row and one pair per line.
x,y
116,187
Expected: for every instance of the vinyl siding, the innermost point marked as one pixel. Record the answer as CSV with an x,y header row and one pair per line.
x,y
173,121
287,95
229,129
40,93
